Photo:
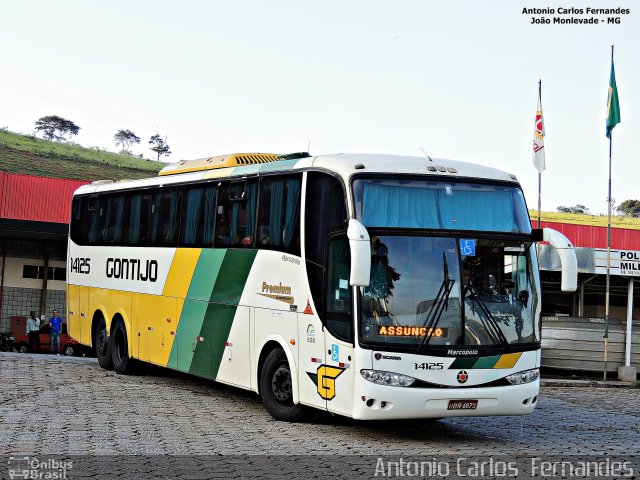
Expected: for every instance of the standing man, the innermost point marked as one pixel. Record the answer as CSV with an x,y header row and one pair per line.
x,y
33,332
56,328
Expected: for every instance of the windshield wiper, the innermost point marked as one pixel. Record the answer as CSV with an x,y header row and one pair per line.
x,y
492,327
439,305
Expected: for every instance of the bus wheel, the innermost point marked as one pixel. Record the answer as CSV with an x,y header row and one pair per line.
x,y
276,391
120,351
103,346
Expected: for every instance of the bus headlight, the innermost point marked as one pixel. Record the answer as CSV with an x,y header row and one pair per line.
x,y
527,376
387,378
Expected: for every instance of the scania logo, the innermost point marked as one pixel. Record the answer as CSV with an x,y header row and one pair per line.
x,y
379,356
463,376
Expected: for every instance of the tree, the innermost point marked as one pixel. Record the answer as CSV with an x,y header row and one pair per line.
x,y
55,128
159,145
630,208
580,209
126,138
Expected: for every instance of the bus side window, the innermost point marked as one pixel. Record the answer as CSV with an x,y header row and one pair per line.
x,y
325,215
236,214
165,212
338,292
197,217
279,215
192,216
136,219
75,230
91,223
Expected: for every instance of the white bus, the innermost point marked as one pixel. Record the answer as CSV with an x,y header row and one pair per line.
x,y
371,286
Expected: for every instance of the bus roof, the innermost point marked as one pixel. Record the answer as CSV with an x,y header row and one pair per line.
x,y
348,164
344,164
220,161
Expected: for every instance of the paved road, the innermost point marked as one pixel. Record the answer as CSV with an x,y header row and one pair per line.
x,y
65,405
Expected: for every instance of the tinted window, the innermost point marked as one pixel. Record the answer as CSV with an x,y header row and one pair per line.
x,y
325,213
325,218
111,215
136,219
197,219
236,214
164,217
279,215
338,291
75,230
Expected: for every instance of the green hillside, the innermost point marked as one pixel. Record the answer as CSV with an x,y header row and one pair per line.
x,y
34,156
578,219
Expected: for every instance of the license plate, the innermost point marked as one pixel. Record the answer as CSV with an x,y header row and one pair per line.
x,y
462,405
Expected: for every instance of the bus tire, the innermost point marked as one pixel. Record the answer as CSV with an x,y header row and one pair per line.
x,y
103,346
122,364
276,388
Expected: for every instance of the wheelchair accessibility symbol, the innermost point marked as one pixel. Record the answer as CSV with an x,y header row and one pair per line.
x,y
468,247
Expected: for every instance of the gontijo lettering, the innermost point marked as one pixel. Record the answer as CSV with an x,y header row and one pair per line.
x,y
132,269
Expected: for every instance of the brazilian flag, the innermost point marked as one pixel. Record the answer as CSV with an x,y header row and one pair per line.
x,y
613,107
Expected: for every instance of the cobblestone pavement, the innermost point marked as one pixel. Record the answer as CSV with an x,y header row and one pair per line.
x,y
58,405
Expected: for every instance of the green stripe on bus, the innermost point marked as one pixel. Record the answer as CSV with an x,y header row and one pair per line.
x,y
464,362
229,285
195,308
487,362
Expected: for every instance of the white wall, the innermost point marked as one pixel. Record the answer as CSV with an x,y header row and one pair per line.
x,y
13,274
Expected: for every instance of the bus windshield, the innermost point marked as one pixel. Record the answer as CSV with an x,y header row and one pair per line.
x,y
445,291
440,205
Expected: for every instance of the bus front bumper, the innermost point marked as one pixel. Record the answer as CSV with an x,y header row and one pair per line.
x,y
382,402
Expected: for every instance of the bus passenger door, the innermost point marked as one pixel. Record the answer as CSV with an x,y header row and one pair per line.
x,y
338,381
310,358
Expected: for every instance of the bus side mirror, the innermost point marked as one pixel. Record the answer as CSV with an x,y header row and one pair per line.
x,y
568,259
360,247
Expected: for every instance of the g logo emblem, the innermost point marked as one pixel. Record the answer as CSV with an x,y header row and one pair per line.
x,y
325,380
463,376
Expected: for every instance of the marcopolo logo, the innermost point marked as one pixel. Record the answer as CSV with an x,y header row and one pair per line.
x,y
462,352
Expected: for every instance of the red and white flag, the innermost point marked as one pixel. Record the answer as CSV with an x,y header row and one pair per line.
x,y
538,140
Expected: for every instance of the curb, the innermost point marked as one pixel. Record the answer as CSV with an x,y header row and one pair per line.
x,y
555,382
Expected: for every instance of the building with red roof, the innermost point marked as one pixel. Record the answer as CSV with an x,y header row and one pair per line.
x,y
34,221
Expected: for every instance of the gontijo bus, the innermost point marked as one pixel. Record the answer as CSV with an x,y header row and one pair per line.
x,y
372,286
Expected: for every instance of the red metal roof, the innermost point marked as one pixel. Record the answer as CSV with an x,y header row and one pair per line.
x,y
596,237
39,199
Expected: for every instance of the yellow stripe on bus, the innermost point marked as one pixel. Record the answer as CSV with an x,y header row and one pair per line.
x,y
508,360
181,271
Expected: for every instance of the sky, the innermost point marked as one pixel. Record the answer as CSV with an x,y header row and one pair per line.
x,y
457,79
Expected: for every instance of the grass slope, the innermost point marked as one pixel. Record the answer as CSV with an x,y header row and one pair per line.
x,y
33,156
594,220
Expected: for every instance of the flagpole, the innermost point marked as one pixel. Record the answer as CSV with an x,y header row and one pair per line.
x,y
606,308
539,173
